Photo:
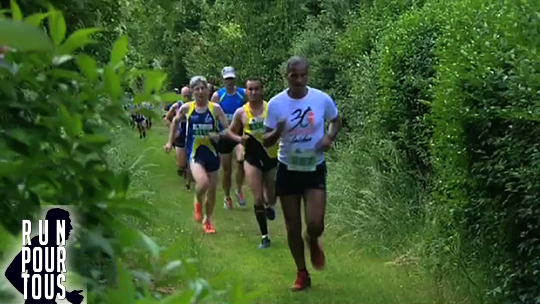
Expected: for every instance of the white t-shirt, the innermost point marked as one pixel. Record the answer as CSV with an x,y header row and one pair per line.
x,y
304,128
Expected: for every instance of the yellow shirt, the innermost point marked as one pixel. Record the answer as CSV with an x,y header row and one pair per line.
x,y
255,127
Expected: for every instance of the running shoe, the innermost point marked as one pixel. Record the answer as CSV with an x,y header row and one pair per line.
x,y
265,242
317,254
303,280
228,203
209,228
198,212
240,198
270,213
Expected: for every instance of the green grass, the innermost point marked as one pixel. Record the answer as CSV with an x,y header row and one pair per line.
x,y
232,254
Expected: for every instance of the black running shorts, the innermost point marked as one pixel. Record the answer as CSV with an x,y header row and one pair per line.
x,y
296,182
226,145
180,141
256,155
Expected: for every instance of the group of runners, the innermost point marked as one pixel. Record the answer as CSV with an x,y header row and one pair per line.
x,y
277,145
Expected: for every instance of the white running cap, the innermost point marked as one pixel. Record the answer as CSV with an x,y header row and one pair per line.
x,y
228,72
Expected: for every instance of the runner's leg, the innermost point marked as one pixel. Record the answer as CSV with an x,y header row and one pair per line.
x,y
269,188
226,164
315,201
290,205
255,181
181,160
202,183
143,123
211,194
290,188
240,174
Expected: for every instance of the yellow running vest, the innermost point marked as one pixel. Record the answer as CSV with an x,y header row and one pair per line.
x,y
199,132
255,126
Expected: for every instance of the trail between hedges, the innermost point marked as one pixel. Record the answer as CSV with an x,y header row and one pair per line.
x,y
232,253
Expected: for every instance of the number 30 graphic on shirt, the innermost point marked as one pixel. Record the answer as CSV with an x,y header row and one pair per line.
x,y
300,118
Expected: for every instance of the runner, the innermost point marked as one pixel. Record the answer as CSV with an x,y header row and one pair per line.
x,y
180,140
260,163
148,119
140,120
202,117
212,89
230,99
297,116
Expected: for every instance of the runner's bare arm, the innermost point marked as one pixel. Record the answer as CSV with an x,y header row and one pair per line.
x,y
221,116
275,123
176,121
170,115
271,136
331,113
236,126
335,125
215,97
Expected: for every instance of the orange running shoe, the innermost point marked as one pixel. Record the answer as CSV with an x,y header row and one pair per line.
x,y
198,212
209,228
303,280
317,254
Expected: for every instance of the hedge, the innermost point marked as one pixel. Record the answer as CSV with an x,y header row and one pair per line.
x,y
486,148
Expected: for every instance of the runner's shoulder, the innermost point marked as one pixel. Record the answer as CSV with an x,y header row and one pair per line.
x,y
239,111
319,93
279,98
186,105
216,105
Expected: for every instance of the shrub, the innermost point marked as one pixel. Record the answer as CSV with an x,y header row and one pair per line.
x,y
406,72
486,141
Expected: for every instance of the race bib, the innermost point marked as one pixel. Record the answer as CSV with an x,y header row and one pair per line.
x,y
302,161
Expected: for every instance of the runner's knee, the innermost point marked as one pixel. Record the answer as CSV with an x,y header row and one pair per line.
x,y
315,228
258,197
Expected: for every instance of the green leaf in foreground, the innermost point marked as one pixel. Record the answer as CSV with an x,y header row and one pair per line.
x,y
154,81
150,244
36,19
57,27
88,66
77,40
23,36
119,50
169,97
16,13
112,82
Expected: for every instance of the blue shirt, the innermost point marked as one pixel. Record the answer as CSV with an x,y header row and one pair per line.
x,y
230,103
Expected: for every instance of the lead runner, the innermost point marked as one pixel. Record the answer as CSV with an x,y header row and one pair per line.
x,y
297,116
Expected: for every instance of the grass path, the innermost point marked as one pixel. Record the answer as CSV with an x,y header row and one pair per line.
x,y
232,252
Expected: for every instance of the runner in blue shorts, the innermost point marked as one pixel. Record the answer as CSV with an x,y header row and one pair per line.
x,y
203,118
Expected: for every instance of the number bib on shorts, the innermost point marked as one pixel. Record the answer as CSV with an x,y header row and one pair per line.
x,y
305,161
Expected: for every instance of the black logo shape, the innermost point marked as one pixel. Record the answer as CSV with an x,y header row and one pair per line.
x,y
44,257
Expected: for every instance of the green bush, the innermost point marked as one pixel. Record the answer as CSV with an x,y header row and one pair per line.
x,y
60,111
486,148
406,72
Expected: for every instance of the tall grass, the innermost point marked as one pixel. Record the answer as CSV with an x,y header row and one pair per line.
x,y
373,199
376,202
